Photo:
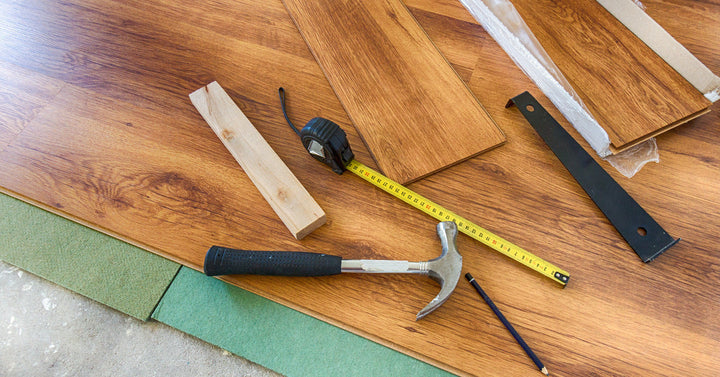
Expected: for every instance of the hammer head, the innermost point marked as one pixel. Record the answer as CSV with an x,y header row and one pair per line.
x,y
446,268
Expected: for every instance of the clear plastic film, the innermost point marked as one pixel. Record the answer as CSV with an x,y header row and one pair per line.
x,y
502,21
639,4
631,160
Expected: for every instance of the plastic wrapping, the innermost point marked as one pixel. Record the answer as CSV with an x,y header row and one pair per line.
x,y
631,160
502,21
639,4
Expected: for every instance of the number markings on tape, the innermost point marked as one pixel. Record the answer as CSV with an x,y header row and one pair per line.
x,y
474,231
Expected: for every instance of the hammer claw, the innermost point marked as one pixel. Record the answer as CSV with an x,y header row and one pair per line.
x,y
445,269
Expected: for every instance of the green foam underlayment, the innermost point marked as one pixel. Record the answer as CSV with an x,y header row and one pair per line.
x,y
133,281
88,262
272,335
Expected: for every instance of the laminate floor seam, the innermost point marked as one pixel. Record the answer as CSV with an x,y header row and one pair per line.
x,y
28,121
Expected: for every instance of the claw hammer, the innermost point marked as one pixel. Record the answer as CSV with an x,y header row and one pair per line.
x,y
445,269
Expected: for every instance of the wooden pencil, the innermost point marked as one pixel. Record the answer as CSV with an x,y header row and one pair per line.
x,y
507,324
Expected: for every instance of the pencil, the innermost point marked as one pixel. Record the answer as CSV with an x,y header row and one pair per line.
x,y
507,324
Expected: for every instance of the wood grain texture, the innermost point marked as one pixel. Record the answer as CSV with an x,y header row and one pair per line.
x,y
278,185
667,47
414,113
120,147
19,107
632,92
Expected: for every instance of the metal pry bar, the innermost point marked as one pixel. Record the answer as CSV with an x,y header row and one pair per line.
x,y
636,226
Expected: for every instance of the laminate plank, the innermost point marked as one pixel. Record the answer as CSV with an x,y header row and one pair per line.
x,y
631,91
412,110
121,148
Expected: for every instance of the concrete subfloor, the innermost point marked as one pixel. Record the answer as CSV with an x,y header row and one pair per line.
x,y
47,330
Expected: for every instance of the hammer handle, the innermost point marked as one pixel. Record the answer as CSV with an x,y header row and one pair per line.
x,y
225,261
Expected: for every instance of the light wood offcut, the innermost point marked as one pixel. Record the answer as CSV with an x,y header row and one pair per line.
x,y
286,195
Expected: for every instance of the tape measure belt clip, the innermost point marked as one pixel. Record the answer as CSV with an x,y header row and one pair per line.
x,y
323,139
327,143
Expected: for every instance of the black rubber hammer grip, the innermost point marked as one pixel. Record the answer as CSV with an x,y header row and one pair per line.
x,y
224,261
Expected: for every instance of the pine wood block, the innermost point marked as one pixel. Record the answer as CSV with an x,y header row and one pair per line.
x,y
630,90
414,113
278,185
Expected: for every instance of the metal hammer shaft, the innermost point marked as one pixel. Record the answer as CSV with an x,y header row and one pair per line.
x,y
384,266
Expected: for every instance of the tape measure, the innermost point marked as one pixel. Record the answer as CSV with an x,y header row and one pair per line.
x,y
328,143
465,226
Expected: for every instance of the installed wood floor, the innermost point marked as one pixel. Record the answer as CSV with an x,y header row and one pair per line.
x,y
96,124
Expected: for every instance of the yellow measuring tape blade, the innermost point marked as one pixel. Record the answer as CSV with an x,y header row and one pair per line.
x,y
441,214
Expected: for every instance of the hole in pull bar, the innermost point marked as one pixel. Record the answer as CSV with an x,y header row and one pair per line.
x,y
530,108
642,231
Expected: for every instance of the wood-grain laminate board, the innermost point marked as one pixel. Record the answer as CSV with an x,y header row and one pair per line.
x,y
630,90
116,144
412,110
